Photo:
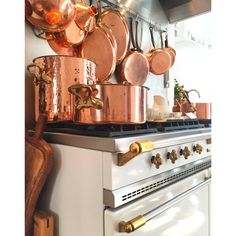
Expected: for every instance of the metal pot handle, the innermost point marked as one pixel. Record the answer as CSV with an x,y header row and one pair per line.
x,y
40,75
86,99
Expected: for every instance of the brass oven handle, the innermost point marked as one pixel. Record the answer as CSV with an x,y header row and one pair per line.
x,y
141,220
85,101
134,149
40,75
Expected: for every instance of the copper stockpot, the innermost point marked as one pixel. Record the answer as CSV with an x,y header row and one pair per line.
x,y
52,76
114,104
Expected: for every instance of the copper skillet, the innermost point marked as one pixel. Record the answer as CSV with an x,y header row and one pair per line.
x,y
134,68
159,60
167,48
118,25
100,47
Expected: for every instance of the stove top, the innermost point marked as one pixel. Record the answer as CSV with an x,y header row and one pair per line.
x,y
115,130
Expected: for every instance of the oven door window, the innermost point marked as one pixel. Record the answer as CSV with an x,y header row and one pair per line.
x,y
189,216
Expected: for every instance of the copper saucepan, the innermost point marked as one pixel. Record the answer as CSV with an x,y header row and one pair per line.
x,y
159,59
134,68
52,77
114,104
50,15
167,48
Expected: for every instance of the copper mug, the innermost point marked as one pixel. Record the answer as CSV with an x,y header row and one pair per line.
x,y
52,77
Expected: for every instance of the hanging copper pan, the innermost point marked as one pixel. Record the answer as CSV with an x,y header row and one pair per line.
x,y
159,60
50,15
167,48
100,47
134,68
118,25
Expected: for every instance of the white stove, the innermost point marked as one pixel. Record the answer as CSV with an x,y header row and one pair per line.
x,y
150,184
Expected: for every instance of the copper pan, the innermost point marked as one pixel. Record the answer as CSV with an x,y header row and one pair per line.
x,y
100,47
118,25
114,104
52,77
134,68
50,15
159,59
167,48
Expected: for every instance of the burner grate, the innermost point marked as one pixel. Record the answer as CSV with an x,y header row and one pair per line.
x,y
106,130
172,125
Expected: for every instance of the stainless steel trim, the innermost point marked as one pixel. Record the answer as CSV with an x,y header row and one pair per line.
x,y
122,144
168,204
121,196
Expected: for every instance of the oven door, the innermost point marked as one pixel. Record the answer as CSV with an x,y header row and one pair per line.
x,y
181,209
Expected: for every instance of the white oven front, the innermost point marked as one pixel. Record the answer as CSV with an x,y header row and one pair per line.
x,y
181,209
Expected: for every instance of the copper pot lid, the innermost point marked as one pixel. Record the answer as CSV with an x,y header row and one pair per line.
x,y
117,24
99,47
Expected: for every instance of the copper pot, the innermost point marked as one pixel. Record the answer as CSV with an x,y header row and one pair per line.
x,y
114,103
52,76
50,15
203,110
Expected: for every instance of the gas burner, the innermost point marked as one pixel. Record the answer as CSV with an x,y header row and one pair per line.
x,y
106,130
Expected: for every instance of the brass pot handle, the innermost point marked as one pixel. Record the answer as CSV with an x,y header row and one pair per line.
x,y
85,99
39,74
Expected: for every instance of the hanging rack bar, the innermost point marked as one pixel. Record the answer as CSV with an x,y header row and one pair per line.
x,y
156,27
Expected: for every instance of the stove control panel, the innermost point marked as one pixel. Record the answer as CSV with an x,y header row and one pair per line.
x,y
181,154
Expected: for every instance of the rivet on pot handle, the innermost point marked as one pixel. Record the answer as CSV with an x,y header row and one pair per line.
x,y
39,75
86,99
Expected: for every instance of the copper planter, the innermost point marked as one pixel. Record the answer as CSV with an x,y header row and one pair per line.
x,y
52,76
114,104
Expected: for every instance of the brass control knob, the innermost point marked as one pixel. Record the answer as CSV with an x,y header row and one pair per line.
x,y
172,156
185,152
157,160
198,149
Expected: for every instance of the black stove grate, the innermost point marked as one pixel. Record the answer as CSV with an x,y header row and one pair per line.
x,y
115,130
180,124
106,130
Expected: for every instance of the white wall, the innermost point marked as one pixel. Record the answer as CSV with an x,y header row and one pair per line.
x,y
194,65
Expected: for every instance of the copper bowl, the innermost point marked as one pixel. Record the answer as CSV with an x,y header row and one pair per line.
x,y
50,15
52,76
110,103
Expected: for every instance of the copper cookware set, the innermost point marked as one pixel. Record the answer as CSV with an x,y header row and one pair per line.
x,y
74,84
